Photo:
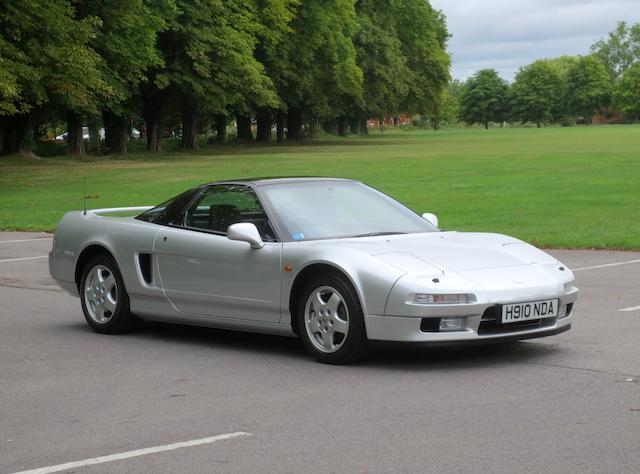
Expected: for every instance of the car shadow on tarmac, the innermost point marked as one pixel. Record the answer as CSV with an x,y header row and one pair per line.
x,y
389,356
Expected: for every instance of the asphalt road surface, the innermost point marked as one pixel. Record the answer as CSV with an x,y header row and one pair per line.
x,y
567,403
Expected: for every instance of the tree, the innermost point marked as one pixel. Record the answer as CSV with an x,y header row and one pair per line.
x,y
536,94
627,92
126,41
45,64
273,20
208,52
484,98
447,109
423,36
588,87
619,50
321,78
379,55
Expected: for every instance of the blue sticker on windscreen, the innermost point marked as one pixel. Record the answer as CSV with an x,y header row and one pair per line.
x,y
297,236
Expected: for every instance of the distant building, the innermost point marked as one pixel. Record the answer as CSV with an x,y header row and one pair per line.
x,y
608,117
391,121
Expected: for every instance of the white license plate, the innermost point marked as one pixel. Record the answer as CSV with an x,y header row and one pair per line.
x,y
512,313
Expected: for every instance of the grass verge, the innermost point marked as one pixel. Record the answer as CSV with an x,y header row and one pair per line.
x,y
556,187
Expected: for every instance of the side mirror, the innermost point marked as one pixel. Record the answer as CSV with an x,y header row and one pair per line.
x,y
431,218
245,232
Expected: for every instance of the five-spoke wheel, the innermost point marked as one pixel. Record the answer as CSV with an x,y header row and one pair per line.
x,y
326,319
330,319
100,294
104,299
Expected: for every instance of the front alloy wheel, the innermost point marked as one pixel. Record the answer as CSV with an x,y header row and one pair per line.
x,y
330,320
326,319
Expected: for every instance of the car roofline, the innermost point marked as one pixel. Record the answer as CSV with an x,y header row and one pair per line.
x,y
269,180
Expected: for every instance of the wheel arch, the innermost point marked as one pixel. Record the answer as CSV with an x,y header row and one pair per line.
x,y
305,275
89,252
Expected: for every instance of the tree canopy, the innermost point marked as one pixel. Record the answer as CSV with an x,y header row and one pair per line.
x,y
193,63
536,94
620,49
627,92
45,64
484,98
588,87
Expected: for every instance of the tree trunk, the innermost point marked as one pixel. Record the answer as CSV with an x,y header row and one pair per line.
x,y
538,124
17,135
39,130
152,112
435,125
264,117
153,135
294,123
220,124
3,135
342,126
280,120
94,133
354,126
363,127
116,132
330,126
314,126
153,102
190,119
11,137
243,124
486,125
75,141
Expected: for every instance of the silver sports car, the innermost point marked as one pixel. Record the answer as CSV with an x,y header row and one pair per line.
x,y
332,261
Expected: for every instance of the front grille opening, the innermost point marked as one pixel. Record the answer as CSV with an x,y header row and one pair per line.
x,y
490,324
430,325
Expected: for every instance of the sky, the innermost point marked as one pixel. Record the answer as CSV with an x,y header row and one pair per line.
x,y
507,34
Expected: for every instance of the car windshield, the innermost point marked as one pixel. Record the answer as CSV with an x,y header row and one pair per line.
x,y
338,209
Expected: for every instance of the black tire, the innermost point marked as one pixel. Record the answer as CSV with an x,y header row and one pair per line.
x,y
355,343
118,321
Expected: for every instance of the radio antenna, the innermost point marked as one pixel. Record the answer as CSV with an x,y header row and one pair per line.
x,y
84,194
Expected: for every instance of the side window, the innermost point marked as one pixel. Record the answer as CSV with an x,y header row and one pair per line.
x,y
170,212
220,206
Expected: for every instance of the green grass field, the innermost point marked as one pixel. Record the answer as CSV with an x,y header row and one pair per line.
x,y
556,187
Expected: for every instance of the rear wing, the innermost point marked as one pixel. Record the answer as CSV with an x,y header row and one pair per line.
x,y
116,210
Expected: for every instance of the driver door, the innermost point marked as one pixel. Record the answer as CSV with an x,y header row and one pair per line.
x,y
205,273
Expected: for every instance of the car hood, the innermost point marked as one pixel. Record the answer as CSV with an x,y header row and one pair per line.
x,y
430,253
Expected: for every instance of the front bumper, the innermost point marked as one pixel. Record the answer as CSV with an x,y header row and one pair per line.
x,y
481,324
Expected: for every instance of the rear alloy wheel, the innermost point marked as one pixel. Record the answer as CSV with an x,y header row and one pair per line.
x,y
330,320
104,299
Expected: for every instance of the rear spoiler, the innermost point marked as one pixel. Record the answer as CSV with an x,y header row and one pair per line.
x,y
116,210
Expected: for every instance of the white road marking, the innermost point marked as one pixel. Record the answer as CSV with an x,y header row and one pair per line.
x,y
24,240
22,258
632,308
133,454
605,265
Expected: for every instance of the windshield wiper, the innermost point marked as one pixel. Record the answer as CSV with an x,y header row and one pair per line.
x,y
375,234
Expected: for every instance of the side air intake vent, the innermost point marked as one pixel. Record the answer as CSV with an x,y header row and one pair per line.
x,y
144,262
